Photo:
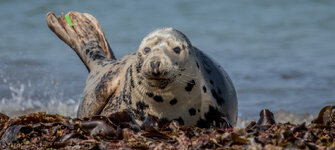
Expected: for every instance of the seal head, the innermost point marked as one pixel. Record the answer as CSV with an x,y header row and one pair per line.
x,y
163,54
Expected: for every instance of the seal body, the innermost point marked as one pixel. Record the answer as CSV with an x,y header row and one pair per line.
x,y
167,77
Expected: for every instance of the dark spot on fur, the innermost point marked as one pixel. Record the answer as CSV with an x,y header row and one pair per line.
x,y
125,96
131,77
94,50
91,53
202,123
208,70
138,68
139,63
158,98
150,94
219,91
212,118
164,120
173,101
163,86
217,97
114,72
198,110
105,62
101,90
211,82
139,82
141,105
97,56
204,89
164,83
192,111
138,113
197,64
190,85
180,120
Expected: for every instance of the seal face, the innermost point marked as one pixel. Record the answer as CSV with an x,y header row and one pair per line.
x,y
166,77
162,57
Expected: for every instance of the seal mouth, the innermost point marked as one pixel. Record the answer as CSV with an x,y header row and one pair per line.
x,y
161,83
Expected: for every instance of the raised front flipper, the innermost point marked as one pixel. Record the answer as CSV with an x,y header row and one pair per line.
x,y
83,33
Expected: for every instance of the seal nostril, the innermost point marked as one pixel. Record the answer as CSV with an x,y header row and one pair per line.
x,y
157,64
152,65
155,67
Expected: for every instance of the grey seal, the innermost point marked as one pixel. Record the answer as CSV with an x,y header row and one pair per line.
x,y
167,77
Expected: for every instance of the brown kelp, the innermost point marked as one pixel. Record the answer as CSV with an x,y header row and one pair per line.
x,y
119,130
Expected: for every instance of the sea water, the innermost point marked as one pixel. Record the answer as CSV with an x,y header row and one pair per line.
x,y
280,54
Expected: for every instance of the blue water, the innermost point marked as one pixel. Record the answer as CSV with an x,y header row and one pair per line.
x,y
280,54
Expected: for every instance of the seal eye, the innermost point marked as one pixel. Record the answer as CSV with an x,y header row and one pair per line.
x,y
147,50
176,50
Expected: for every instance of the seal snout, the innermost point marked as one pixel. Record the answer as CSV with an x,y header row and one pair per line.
x,y
155,67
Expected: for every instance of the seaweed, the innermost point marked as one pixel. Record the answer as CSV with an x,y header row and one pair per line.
x,y
119,130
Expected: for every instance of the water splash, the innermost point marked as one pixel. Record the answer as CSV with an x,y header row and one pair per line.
x,y
20,103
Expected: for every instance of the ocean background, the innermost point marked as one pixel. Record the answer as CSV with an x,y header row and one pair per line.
x,y
280,54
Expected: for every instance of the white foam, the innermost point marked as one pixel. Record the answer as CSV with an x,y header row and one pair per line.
x,y
20,104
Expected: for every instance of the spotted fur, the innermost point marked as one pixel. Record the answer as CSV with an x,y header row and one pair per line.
x,y
208,101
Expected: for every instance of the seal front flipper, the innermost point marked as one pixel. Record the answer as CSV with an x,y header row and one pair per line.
x,y
100,87
83,33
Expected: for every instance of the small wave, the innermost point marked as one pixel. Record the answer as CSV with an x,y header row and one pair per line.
x,y
19,104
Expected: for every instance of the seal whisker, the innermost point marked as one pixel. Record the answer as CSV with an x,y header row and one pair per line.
x,y
188,76
181,81
178,82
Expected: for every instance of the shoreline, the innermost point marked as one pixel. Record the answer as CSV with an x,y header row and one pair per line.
x,y
48,131
282,115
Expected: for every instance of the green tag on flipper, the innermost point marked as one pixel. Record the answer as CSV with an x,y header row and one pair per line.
x,y
68,20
